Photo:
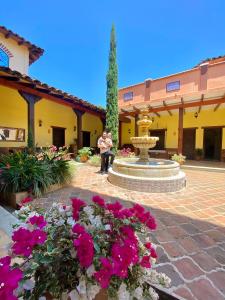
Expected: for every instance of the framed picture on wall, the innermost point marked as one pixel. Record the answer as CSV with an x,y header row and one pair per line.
x,y
8,134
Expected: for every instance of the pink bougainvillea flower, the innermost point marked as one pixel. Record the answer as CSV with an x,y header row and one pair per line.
x,y
77,228
39,221
9,279
77,204
85,249
148,245
153,253
25,240
144,216
99,201
145,262
38,237
26,200
6,260
116,206
104,275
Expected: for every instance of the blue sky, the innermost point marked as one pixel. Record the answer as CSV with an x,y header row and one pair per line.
x,y
154,39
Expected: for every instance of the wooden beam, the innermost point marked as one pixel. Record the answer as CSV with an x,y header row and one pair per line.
x,y
180,130
136,126
217,106
79,115
136,109
31,100
124,119
124,110
150,110
185,105
182,101
200,106
170,113
20,86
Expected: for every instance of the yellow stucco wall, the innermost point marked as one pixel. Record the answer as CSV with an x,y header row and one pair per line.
x,y
205,118
53,114
127,132
92,124
13,113
20,55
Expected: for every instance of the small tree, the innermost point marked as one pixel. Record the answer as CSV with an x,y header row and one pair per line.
x,y
112,116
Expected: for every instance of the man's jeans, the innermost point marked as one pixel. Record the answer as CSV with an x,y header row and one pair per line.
x,y
112,156
104,162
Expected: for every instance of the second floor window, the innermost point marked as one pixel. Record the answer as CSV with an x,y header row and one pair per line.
x,y
173,86
4,59
128,96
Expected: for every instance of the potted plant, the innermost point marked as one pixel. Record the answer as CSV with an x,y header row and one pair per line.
x,y
179,158
36,173
96,251
198,154
84,153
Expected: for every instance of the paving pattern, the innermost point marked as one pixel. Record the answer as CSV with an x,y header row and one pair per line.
x,y
190,237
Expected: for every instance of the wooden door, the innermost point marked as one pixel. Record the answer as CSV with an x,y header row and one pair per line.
x,y
189,142
86,138
212,143
58,136
160,145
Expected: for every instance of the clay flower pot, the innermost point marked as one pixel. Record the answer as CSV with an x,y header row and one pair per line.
x,y
83,158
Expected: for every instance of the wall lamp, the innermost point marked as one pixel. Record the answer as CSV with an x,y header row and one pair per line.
x,y
196,115
40,123
129,131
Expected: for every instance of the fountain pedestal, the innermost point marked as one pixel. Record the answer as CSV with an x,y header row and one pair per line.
x,y
145,174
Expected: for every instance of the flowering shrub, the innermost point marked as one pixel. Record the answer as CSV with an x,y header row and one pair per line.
x,y
75,251
179,158
126,152
22,171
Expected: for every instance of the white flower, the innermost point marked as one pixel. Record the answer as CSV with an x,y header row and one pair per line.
x,y
32,214
107,227
97,222
123,293
153,294
28,285
82,286
74,295
71,221
92,291
73,253
89,210
138,293
90,270
60,222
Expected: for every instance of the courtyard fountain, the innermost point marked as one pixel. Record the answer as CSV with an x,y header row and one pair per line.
x,y
143,173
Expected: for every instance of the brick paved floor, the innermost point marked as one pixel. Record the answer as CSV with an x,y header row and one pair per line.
x,y
191,227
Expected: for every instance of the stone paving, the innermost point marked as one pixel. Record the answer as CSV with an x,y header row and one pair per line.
x,y
190,237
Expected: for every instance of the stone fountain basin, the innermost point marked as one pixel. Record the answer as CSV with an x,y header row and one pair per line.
x,y
155,168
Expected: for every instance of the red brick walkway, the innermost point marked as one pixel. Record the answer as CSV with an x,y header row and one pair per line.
x,y
191,227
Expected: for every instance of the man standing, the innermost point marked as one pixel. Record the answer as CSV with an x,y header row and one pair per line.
x,y
110,144
104,148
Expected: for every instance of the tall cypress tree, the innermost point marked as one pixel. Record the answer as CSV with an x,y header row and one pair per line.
x,y
112,115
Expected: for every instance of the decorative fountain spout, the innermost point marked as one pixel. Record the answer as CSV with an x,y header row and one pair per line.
x,y
144,142
143,173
